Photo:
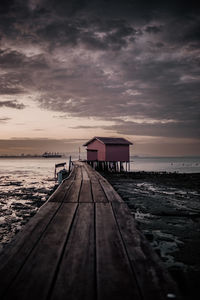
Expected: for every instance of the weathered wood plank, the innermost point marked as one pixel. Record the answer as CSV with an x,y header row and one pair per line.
x,y
85,192
85,173
153,279
78,171
68,191
115,279
35,277
73,194
63,188
97,191
61,191
16,253
109,191
76,276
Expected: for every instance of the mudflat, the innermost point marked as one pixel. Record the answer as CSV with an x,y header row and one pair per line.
x,y
167,209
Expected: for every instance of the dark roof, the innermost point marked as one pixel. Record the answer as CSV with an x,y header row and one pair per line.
x,y
109,140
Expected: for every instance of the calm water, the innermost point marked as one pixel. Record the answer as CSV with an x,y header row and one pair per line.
x,y
166,164
29,168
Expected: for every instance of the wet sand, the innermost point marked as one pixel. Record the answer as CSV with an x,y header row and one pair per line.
x,y
167,209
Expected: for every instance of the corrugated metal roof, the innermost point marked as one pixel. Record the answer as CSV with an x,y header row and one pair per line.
x,y
109,140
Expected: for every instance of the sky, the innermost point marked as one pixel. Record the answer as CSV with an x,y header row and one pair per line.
x,y
71,70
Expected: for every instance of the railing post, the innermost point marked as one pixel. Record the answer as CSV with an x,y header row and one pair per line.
x,y
70,161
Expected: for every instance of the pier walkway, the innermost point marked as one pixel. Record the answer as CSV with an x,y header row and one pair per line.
x,y
83,244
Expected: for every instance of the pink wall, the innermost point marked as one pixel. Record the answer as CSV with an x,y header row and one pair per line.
x,y
96,145
117,152
107,152
92,155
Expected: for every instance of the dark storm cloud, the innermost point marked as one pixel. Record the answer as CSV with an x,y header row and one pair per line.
x,y
153,29
12,104
10,59
106,59
180,130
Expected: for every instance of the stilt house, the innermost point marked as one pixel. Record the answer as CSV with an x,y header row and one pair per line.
x,y
108,149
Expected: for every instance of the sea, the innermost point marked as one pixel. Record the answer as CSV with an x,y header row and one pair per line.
x,y
166,164
26,183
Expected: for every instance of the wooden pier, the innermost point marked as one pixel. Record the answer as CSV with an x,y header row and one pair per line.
x,y
83,244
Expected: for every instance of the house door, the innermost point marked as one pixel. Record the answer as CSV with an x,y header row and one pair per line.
x,y
92,154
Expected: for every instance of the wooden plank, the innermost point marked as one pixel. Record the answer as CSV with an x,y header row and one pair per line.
x,y
68,191
76,276
97,191
115,279
109,191
35,277
153,279
85,192
73,194
16,253
93,175
61,191
78,172
85,173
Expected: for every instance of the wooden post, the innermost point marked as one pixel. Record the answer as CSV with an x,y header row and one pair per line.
x,y
79,156
70,164
55,173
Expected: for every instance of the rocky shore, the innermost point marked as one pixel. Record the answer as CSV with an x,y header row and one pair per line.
x,y
167,209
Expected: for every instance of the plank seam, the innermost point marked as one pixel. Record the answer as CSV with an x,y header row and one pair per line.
x,y
67,191
95,255
91,184
78,200
95,247
54,279
91,190
103,190
130,263
87,167
28,255
81,172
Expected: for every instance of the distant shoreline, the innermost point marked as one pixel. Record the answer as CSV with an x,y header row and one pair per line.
x,y
76,154
29,156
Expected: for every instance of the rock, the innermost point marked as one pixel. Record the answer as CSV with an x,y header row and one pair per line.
x,y
2,221
149,236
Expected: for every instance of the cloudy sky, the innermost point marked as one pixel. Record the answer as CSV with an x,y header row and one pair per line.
x,y
71,70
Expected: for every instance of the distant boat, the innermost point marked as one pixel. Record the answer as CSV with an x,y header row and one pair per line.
x,y
51,154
